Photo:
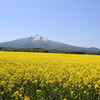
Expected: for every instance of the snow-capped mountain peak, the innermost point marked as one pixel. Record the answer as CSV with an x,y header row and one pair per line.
x,y
37,38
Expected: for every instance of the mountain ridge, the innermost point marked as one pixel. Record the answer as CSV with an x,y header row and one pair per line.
x,y
41,42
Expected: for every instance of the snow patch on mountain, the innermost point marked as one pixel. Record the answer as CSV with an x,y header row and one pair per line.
x,y
38,38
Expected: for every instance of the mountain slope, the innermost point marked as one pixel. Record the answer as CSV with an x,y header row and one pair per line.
x,y
40,42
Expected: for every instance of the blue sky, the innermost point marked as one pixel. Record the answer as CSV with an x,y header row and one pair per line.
x,y
75,22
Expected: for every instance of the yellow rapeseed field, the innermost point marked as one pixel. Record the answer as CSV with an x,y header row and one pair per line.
x,y
48,76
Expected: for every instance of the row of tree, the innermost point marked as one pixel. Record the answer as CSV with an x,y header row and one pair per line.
x,y
42,50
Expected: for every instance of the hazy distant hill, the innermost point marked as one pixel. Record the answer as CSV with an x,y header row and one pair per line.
x,y
40,42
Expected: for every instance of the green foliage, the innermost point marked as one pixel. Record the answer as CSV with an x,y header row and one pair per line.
x,y
43,50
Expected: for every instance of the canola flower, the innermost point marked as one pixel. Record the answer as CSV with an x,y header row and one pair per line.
x,y
48,76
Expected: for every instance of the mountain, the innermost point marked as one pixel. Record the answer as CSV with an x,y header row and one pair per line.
x,y
40,42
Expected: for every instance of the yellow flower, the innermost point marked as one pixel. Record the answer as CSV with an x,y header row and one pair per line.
x,y
21,89
89,86
38,91
55,89
72,93
85,92
26,98
2,92
35,81
64,99
3,83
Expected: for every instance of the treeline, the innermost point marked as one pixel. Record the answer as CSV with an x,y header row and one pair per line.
x,y
24,49
43,50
